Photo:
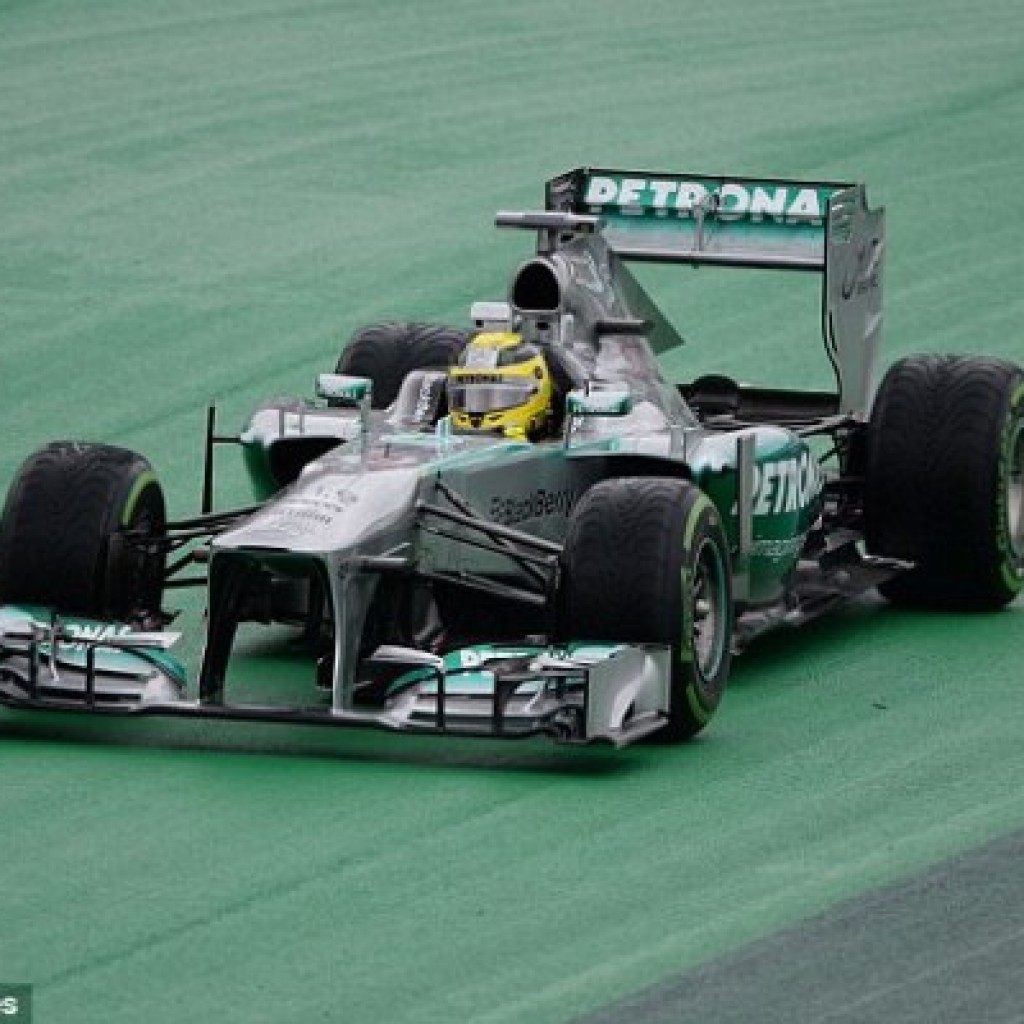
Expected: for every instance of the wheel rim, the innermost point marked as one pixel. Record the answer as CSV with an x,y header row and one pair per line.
x,y
710,609
1015,493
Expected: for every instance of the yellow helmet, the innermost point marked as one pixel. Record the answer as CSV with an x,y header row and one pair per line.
x,y
502,383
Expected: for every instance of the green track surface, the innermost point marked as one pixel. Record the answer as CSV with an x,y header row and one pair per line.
x,y
201,201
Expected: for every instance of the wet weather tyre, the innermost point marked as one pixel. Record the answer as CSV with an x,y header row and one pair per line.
x,y
944,482
81,532
646,560
387,352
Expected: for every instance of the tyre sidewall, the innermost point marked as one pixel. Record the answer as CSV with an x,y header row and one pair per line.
x,y
130,580
1011,560
697,688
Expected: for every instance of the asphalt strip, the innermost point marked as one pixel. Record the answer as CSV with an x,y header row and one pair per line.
x,y
944,945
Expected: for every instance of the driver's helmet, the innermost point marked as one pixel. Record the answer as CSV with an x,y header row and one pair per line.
x,y
502,384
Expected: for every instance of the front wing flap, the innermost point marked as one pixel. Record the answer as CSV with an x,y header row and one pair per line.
x,y
574,693
577,693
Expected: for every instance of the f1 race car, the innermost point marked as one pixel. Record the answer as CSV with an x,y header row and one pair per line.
x,y
522,528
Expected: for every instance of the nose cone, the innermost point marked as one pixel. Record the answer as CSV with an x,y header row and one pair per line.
x,y
329,510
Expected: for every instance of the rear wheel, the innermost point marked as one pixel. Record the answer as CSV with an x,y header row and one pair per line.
x,y
81,532
944,482
646,560
387,352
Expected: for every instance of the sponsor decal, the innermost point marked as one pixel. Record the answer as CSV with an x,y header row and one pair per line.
x,y
474,657
730,201
865,275
778,550
586,273
466,671
508,510
786,485
302,515
84,633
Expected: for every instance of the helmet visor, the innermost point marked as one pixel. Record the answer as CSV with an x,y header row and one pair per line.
x,y
478,398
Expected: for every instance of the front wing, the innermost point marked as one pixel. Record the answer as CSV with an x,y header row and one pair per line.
x,y
576,693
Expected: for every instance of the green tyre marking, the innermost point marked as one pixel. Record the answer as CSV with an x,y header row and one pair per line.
x,y
700,504
142,481
689,529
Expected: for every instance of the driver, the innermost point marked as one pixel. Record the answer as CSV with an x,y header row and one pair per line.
x,y
505,385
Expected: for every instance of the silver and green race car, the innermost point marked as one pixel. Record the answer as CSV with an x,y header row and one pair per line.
x,y
592,585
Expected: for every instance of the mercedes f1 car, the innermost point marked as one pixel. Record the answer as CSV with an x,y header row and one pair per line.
x,y
585,570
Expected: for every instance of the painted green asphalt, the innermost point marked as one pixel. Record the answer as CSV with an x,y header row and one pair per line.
x,y
201,202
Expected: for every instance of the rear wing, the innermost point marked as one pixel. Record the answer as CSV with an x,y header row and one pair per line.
x,y
818,226
743,222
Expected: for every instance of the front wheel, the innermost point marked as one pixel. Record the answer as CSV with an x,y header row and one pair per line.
x,y
647,560
82,533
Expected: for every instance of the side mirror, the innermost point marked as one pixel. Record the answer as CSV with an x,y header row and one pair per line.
x,y
338,387
612,402
584,403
